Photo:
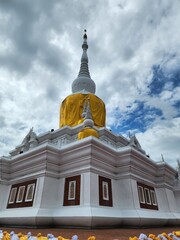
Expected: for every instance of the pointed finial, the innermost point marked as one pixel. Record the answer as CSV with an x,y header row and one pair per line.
x,y
162,157
85,35
84,83
88,110
178,170
178,163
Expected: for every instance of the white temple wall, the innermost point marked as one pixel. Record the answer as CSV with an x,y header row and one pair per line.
x,y
171,200
50,189
162,199
94,192
88,192
53,176
116,197
60,192
135,196
48,202
38,192
4,195
125,194
177,199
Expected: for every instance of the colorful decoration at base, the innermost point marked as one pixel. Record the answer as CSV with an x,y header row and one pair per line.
x,y
163,236
4,235
12,236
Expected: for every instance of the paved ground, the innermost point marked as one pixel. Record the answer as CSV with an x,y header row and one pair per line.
x,y
100,234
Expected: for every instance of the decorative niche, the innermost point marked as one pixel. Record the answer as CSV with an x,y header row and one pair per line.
x,y
147,196
72,191
22,194
105,192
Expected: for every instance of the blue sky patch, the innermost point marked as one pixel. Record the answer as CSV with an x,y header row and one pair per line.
x,y
158,81
177,106
140,118
162,79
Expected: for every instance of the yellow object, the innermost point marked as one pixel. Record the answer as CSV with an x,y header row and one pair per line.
x,y
40,237
19,234
6,236
177,233
91,238
61,238
133,238
152,236
166,236
86,132
72,108
22,236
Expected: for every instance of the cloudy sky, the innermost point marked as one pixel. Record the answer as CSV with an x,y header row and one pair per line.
x,y
134,59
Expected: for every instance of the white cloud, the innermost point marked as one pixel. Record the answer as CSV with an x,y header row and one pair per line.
x,y
162,138
40,46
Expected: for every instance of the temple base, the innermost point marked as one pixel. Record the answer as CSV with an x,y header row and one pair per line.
x,y
88,184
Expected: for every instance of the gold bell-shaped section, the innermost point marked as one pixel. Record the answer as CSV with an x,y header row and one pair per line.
x,y
72,107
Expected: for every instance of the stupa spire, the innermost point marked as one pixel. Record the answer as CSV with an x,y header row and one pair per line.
x,y
83,83
75,108
84,70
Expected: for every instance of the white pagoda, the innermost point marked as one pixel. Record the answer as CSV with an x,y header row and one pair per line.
x,y
83,175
